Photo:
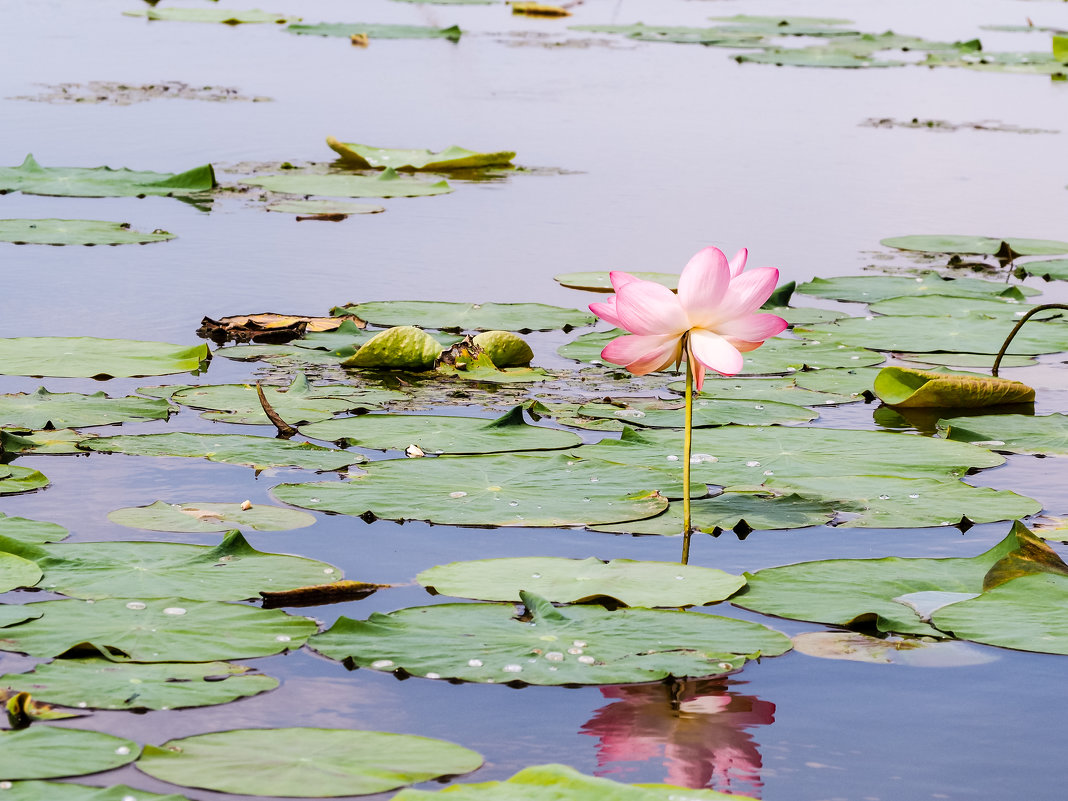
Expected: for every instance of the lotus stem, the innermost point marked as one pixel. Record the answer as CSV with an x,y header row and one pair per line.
x,y
687,438
1018,326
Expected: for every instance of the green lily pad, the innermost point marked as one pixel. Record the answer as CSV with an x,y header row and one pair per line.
x,y
196,518
741,512
856,382
521,317
576,645
89,357
948,306
298,403
230,571
864,592
304,762
17,572
217,15
1040,63
787,25
1049,269
562,783
258,453
819,56
1018,614
677,34
953,334
288,355
14,479
46,752
750,455
21,441
403,347
599,280
441,434
43,409
66,791
102,684
486,373
706,412
908,388
805,315
871,288
388,184
559,580
1011,433
155,630
35,531
11,614
32,179
501,490
451,158
979,245
312,208
780,390
966,360
376,31
75,232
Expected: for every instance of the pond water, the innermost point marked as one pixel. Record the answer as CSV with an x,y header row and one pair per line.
x,y
640,154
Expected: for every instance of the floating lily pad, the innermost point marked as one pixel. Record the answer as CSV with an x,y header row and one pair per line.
x,y
819,56
954,334
501,490
805,315
230,571
599,281
678,34
217,15
43,409
45,752
558,580
978,245
89,357
1049,269
1040,63
576,645
871,288
781,390
14,479
907,651
195,518
155,630
376,31
33,179
288,354
522,317
908,388
451,158
442,434
388,184
563,783
255,452
966,360
66,791
304,762
1012,433
17,572
315,208
35,531
75,232
863,592
949,306
21,441
1020,614
706,412
11,614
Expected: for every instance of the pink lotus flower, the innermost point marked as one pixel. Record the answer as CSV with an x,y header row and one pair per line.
x,y
714,313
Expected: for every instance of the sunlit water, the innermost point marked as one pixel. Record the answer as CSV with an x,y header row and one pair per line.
x,y
652,151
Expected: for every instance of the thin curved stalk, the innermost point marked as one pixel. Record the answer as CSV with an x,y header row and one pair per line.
x,y
687,438
1017,327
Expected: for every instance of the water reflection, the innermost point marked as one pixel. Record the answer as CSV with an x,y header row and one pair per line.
x,y
698,729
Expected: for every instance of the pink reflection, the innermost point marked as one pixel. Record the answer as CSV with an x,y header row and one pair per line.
x,y
696,728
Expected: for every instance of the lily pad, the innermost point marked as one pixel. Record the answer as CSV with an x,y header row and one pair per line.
x,y
304,762
14,479
43,409
906,651
966,360
559,580
954,334
521,317
979,245
862,592
853,382
155,630
196,518
388,184
451,158
1049,269
21,441
317,208
46,752
75,232
599,281
17,572
577,645
32,179
102,684
11,614
442,434
377,31
819,56
258,453
780,390
706,412
949,306
217,15
871,288
89,357
908,388
34,531
230,571
1011,433
66,791
501,490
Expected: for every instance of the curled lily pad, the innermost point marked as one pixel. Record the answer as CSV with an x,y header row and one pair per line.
x,y
376,31
43,409
14,479
103,684
304,762
89,357
576,645
45,752
35,531
33,179
451,158
871,288
629,582
155,630
521,317
907,388
1012,433
388,184
75,232
504,348
403,347
195,518
980,245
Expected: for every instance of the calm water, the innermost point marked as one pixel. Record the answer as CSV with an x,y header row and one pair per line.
x,y
650,151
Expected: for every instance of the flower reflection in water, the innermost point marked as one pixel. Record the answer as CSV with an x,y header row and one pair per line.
x,y
697,729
